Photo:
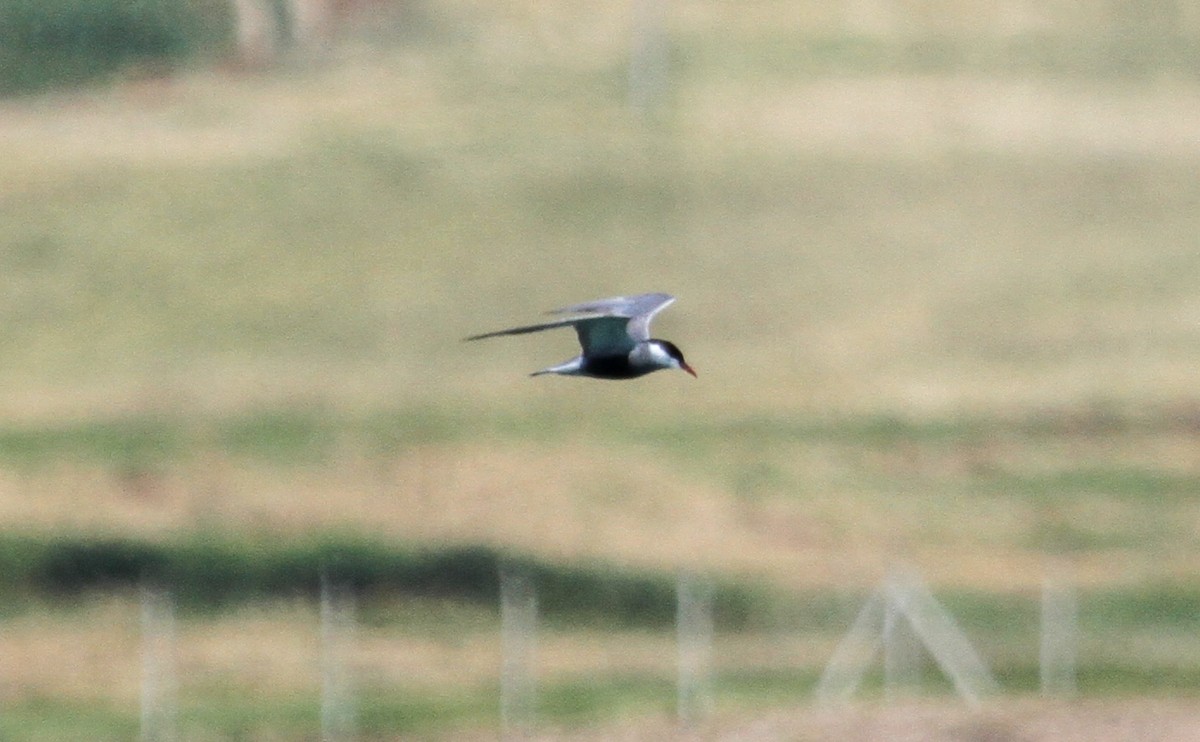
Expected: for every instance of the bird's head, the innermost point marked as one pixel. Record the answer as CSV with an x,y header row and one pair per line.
x,y
668,355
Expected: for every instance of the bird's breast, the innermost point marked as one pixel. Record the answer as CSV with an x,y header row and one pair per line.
x,y
614,367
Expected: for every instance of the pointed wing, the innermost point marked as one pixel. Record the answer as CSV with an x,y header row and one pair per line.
x,y
648,306
620,306
598,336
638,309
604,336
614,326
526,329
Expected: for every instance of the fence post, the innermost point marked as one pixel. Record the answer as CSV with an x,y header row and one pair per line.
x,y
904,598
938,631
1060,637
901,653
518,646
694,637
158,693
852,657
337,635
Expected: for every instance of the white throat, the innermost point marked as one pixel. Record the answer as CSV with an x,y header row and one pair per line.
x,y
651,353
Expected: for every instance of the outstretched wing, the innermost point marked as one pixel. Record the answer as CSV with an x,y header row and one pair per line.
x,y
613,326
639,310
648,305
526,329
620,306
598,336
604,336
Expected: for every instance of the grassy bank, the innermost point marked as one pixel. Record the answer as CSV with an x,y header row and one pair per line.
x,y
208,573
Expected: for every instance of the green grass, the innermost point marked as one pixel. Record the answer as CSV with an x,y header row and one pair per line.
x,y
1004,628
1067,482
351,265
237,716
209,573
68,43
298,433
563,705
1125,56
49,719
1132,483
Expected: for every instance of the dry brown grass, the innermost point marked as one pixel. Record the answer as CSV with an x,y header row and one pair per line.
x,y
270,652
901,241
800,515
89,655
1020,721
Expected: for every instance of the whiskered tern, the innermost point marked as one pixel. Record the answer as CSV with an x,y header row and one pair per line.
x,y
615,336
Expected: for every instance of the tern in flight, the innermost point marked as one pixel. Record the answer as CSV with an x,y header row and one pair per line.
x,y
615,336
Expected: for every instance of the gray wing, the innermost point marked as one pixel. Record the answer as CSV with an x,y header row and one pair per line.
x,y
639,310
614,327
620,306
598,336
526,329
604,336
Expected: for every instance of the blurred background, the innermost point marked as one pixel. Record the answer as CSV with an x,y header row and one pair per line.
x,y
936,265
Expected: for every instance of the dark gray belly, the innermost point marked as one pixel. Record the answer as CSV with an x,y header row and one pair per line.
x,y
614,367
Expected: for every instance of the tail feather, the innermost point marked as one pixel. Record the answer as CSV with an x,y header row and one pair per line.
x,y
572,367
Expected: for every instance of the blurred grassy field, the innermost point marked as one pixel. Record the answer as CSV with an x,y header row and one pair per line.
x,y
936,271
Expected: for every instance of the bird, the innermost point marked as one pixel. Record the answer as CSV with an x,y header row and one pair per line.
x,y
614,334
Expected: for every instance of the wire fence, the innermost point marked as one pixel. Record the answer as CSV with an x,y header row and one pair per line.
x,y
899,624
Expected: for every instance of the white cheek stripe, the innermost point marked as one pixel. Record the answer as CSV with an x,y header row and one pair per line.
x,y
661,356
